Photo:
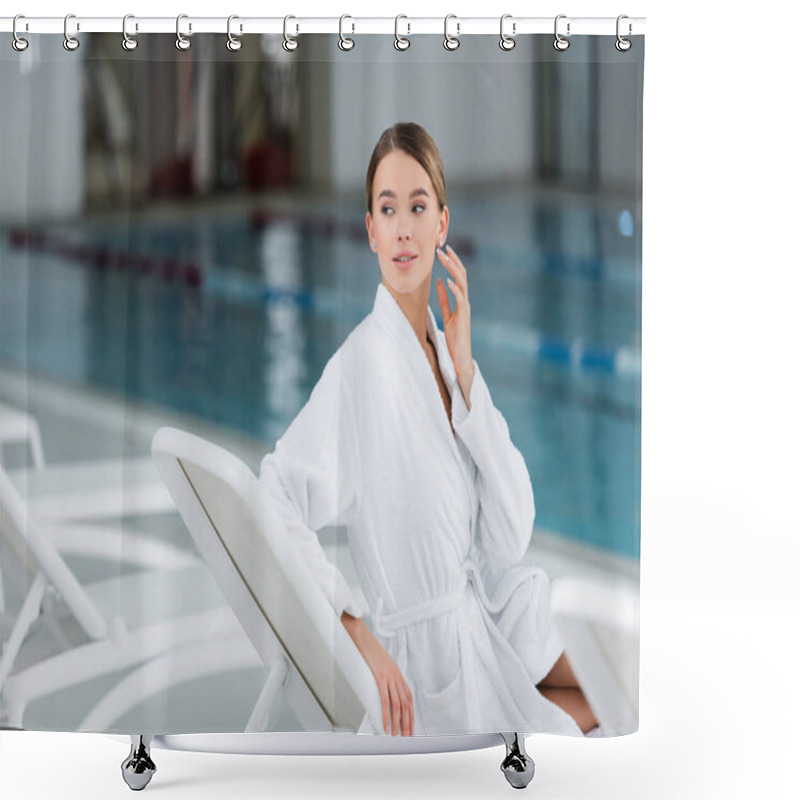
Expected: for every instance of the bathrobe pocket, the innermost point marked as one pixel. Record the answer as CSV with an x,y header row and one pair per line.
x,y
442,712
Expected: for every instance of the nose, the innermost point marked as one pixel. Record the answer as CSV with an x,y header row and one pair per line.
x,y
403,229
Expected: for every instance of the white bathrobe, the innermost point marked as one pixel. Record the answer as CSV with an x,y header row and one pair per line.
x,y
437,525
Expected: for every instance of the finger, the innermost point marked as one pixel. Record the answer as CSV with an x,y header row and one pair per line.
x,y
456,261
457,271
395,698
461,300
451,266
455,258
385,707
404,711
444,301
410,716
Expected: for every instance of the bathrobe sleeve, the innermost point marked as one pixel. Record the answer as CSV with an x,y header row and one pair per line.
x,y
312,478
506,508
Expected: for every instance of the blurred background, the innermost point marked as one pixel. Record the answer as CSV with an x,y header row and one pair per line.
x,y
182,241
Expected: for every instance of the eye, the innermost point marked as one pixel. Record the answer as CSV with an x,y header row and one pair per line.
x,y
420,206
386,209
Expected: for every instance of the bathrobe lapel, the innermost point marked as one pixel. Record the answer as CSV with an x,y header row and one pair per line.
x,y
446,367
391,317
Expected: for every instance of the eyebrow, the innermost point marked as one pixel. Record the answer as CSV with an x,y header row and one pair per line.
x,y
390,193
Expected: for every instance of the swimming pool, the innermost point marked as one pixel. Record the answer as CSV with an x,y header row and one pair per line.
x,y
232,316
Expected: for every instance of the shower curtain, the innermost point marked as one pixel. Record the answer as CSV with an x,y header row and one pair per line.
x,y
191,239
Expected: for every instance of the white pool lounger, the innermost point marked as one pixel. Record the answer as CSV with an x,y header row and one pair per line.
x,y
91,490
115,633
289,621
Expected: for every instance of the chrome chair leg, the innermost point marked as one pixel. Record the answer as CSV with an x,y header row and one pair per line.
x,y
517,766
138,768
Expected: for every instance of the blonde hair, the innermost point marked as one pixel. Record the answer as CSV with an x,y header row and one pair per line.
x,y
414,140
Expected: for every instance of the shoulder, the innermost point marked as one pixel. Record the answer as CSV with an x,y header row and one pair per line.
x,y
361,350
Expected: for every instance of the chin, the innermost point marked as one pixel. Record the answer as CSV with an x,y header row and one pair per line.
x,y
405,283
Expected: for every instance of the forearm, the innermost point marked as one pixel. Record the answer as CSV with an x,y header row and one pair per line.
x,y
504,486
356,627
397,703
465,382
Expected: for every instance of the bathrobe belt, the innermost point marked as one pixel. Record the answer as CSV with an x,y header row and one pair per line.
x,y
388,623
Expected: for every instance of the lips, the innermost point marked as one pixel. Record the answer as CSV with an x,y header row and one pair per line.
x,y
404,264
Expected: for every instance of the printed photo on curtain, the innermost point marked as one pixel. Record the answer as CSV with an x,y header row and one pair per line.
x,y
320,381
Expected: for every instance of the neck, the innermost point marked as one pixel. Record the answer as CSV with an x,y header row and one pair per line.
x,y
415,307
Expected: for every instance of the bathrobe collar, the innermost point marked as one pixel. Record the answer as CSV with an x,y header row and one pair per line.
x,y
389,316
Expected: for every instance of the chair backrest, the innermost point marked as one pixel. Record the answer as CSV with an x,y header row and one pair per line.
x,y
272,592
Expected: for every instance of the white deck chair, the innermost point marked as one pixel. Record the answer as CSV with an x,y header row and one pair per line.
x,y
19,426
599,624
93,490
109,641
273,594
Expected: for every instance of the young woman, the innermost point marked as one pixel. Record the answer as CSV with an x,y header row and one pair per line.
x,y
400,442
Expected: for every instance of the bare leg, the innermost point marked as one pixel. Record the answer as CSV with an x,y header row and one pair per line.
x,y
561,674
561,687
574,703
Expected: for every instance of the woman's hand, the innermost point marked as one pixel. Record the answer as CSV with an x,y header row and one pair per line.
x,y
396,700
456,323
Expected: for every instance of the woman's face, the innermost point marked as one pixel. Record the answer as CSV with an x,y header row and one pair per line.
x,y
407,226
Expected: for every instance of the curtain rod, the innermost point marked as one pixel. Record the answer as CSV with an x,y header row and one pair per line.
x,y
296,26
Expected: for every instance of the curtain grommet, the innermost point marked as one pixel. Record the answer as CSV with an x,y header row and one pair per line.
x,y
234,44
18,43
128,42
560,43
290,44
70,42
451,42
345,43
507,42
400,42
182,42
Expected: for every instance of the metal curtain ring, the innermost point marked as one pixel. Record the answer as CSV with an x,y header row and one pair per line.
x,y
128,42
451,42
182,43
233,44
18,43
70,42
400,42
344,42
623,45
506,42
289,44
560,42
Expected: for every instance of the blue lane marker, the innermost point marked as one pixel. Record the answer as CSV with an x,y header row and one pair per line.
x,y
595,358
300,298
552,350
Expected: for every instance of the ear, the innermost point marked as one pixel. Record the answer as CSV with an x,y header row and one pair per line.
x,y
368,222
444,224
